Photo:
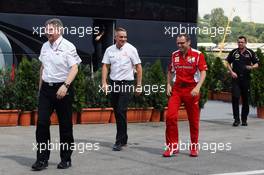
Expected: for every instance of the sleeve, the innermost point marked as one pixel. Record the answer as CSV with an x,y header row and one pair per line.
x,y
73,57
41,54
202,66
171,67
135,57
230,57
254,58
106,59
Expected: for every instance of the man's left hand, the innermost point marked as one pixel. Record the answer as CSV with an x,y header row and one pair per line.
x,y
195,91
249,67
61,92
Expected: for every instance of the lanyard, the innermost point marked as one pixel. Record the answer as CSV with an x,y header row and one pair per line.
x,y
56,47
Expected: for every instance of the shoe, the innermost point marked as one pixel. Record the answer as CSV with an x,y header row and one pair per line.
x,y
64,165
244,124
236,123
40,165
169,153
194,153
117,147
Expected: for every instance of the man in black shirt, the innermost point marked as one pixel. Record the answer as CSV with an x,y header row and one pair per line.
x,y
240,62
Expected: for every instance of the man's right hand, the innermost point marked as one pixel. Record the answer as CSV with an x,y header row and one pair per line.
x,y
234,75
168,90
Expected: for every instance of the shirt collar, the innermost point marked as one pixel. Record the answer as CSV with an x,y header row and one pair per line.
x,y
120,47
189,52
56,43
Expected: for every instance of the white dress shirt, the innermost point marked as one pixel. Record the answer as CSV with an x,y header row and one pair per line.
x,y
57,60
122,61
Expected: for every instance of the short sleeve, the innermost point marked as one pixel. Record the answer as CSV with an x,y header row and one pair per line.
x,y
73,57
202,66
106,59
170,66
229,58
41,54
254,58
135,57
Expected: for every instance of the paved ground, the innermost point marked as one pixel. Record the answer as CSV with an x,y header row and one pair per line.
x,y
143,154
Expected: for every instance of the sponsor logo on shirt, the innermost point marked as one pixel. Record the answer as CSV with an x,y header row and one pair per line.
x,y
191,60
183,67
247,55
177,59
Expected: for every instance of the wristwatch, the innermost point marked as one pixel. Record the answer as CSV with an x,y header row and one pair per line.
x,y
66,85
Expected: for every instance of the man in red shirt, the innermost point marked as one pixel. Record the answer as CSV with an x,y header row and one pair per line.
x,y
189,67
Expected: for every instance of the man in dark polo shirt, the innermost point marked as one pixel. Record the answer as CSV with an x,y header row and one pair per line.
x,y
240,62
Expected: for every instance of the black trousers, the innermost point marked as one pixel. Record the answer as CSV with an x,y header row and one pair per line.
x,y
47,103
240,87
119,100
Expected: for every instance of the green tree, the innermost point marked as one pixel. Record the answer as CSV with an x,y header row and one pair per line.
x,y
156,78
95,97
204,89
218,75
26,86
79,90
207,17
237,20
7,90
257,85
218,19
261,37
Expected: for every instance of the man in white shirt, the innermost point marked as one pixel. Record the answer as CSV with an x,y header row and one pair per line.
x,y
59,67
121,58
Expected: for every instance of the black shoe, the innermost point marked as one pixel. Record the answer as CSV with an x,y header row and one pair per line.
x,y
64,165
244,124
117,147
236,123
40,165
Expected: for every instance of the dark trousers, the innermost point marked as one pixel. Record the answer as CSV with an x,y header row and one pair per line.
x,y
47,103
240,87
119,101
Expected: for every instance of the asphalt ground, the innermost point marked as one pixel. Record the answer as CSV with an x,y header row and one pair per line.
x,y
224,149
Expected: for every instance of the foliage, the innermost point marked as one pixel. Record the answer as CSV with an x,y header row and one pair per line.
x,y
26,86
207,82
95,97
220,78
218,19
257,85
155,79
141,101
7,90
253,31
79,90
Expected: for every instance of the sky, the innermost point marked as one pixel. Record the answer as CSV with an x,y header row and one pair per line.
x,y
242,8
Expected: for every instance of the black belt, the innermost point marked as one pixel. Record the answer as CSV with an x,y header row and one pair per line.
x,y
52,84
121,81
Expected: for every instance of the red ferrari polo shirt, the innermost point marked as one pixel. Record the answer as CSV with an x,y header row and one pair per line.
x,y
187,70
